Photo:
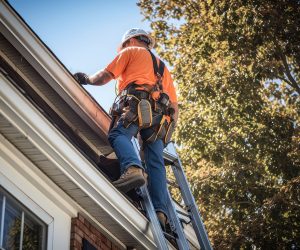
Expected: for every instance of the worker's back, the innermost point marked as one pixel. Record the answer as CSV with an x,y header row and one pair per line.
x,y
133,64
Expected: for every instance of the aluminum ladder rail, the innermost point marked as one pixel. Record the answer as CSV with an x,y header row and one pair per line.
x,y
172,157
157,231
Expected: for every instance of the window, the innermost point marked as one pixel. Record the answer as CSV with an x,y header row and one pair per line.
x,y
86,245
20,228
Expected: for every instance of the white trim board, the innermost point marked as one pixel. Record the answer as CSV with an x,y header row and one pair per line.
x,y
44,208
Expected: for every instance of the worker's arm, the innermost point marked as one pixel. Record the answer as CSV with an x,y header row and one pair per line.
x,y
100,78
112,71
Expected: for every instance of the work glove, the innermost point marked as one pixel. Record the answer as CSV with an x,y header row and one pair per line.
x,y
82,78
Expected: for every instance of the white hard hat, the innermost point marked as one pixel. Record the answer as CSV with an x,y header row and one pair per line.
x,y
137,32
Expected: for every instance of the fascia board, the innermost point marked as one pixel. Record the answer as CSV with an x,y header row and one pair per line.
x,y
51,69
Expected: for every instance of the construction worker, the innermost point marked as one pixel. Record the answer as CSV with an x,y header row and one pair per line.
x,y
147,104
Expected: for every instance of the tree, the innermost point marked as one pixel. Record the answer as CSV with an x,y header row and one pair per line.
x,y
237,66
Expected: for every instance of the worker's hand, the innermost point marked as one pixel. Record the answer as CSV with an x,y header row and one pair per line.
x,y
82,78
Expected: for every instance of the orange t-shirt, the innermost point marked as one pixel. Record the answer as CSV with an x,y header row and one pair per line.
x,y
134,64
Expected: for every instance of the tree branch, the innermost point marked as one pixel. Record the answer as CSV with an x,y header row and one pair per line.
x,y
284,79
291,81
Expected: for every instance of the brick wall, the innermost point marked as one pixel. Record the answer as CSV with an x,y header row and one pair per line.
x,y
82,229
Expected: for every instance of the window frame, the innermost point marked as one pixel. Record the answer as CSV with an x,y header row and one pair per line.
x,y
27,203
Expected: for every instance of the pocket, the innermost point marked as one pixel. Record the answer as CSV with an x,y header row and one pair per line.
x,y
144,114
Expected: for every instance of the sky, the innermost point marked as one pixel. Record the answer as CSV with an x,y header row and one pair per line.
x,y
84,35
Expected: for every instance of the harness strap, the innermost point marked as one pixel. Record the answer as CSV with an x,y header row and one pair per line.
x,y
155,66
158,70
161,68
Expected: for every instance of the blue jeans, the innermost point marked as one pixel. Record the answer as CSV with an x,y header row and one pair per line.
x,y
120,139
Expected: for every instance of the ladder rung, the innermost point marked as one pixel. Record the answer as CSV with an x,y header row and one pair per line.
x,y
173,184
172,239
184,221
167,235
184,214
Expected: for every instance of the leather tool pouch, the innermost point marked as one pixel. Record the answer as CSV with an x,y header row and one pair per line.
x,y
144,113
169,131
115,112
128,117
129,112
159,131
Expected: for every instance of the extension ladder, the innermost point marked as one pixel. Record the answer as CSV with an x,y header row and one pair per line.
x,y
172,158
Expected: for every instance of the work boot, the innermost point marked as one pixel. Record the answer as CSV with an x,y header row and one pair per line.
x,y
162,218
132,178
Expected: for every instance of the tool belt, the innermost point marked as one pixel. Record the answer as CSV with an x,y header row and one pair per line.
x,y
136,105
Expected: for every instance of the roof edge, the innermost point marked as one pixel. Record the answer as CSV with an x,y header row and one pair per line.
x,y
24,39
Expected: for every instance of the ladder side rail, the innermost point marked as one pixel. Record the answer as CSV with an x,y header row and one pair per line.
x,y
147,203
189,201
176,225
155,225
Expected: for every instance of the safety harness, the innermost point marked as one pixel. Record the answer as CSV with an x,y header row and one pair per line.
x,y
147,106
